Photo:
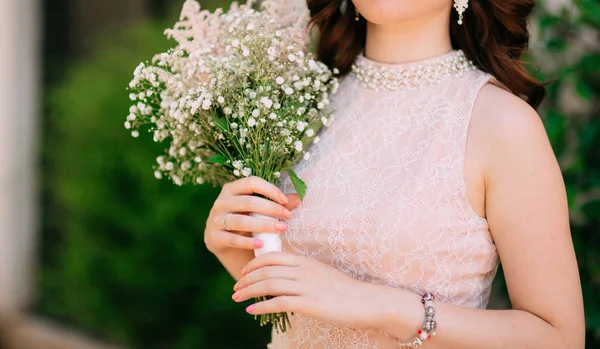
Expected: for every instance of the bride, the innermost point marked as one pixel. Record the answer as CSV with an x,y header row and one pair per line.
x,y
435,169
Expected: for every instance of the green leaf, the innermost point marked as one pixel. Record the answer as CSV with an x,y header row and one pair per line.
x,y
218,159
221,123
299,185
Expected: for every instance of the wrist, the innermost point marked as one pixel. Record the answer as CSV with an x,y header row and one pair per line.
x,y
399,313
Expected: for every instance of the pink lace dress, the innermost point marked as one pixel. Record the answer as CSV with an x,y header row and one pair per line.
x,y
387,201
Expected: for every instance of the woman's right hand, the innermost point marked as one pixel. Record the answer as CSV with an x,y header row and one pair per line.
x,y
229,226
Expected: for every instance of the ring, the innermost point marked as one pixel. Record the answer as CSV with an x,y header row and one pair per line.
x,y
225,221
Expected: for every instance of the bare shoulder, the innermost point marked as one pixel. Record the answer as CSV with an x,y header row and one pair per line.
x,y
504,125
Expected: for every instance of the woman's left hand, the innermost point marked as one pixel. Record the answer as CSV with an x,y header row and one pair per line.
x,y
307,287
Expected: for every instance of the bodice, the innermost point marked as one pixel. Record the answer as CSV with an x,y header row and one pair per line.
x,y
387,204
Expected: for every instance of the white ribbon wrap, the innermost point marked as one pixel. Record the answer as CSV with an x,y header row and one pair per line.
x,y
272,241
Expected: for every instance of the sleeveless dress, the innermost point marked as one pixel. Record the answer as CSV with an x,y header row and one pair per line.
x,y
386,201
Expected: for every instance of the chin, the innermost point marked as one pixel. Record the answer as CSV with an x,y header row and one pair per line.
x,y
396,11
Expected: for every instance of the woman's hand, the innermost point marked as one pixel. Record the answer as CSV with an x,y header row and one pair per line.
x,y
229,227
307,287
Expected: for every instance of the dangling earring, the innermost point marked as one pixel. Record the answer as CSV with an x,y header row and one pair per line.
x,y
357,17
461,6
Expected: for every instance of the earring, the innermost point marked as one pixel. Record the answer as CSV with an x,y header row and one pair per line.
x,y
461,6
357,17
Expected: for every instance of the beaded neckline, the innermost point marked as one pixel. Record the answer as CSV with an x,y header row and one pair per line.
x,y
376,76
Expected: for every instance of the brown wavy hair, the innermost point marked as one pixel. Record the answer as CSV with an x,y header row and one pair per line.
x,y
494,37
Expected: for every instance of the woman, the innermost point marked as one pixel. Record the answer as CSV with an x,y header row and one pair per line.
x,y
435,168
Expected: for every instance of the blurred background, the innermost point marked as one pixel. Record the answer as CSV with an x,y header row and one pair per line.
x,y
94,250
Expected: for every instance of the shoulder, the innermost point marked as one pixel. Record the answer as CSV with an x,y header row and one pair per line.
x,y
508,128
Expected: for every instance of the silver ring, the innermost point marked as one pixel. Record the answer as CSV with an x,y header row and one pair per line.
x,y
225,221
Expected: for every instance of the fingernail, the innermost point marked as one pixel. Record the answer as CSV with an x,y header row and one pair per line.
x,y
235,296
283,199
287,214
250,309
280,226
244,271
235,287
258,243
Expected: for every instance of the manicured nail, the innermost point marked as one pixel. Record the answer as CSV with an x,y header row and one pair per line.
x,y
244,271
280,226
250,309
287,214
283,199
235,287
258,243
235,296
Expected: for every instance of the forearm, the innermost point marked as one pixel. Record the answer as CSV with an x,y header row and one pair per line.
x,y
401,314
235,260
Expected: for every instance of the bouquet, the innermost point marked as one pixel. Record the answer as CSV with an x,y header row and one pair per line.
x,y
239,95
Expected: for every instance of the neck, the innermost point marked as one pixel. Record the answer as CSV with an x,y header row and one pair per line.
x,y
408,41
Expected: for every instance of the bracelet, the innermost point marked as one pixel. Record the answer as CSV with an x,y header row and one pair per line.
x,y
429,326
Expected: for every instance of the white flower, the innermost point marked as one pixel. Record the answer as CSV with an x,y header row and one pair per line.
x,y
227,111
206,104
237,164
251,122
255,113
271,51
266,102
272,116
277,174
250,26
198,159
276,105
289,91
298,145
135,134
278,33
320,105
317,139
310,132
306,156
132,96
157,174
233,125
246,172
279,80
236,173
177,180
301,125
324,121
182,152
169,166
200,180
291,57
220,99
336,71
127,125
246,53
235,43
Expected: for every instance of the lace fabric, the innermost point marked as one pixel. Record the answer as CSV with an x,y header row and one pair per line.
x,y
387,204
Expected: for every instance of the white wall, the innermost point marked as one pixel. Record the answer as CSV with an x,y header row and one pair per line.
x,y
19,85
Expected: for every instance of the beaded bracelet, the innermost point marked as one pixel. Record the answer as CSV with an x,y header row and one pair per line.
x,y
429,326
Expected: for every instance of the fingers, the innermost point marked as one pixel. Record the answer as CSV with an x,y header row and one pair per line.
x,y
271,259
240,222
254,204
274,272
256,185
293,201
281,304
272,287
233,240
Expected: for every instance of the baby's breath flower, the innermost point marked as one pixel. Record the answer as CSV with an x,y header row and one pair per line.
x,y
246,172
279,80
306,156
298,145
310,132
255,112
157,174
289,91
135,134
251,122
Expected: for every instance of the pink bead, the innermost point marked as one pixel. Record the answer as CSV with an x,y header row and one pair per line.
x,y
423,335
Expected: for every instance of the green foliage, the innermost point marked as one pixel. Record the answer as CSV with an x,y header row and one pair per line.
x,y
569,56
128,261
